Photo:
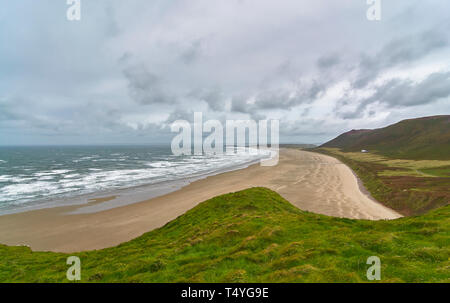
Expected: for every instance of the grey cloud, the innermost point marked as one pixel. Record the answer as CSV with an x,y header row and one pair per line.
x,y
112,27
399,51
281,98
349,115
328,61
286,99
180,114
258,116
144,86
239,104
308,126
406,93
213,97
193,52
128,65
403,93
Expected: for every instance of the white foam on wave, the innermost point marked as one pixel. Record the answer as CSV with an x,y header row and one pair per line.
x,y
53,172
61,171
160,164
5,178
20,179
19,189
71,176
45,178
50,184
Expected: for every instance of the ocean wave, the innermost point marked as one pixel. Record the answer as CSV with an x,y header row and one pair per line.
x,y
160,164
79,179
35,187
53,172
45,178
20,179
86,158
71,176
5,178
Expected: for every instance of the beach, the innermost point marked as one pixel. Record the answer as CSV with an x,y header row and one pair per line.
x,y
310,181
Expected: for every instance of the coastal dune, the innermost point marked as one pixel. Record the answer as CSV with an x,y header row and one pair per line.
x,y
310,181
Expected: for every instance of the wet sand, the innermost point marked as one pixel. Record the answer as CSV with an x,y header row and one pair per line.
x,y
310,181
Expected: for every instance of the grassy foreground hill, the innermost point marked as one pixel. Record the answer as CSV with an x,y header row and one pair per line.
x,y
423,138
255,236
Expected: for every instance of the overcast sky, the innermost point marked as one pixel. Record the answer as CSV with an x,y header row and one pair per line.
x,y
127,69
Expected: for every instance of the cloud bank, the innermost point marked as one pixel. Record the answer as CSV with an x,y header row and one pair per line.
x,y
127,70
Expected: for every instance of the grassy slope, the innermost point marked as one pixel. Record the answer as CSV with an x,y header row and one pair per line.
x,y
411,187
422,138
256,236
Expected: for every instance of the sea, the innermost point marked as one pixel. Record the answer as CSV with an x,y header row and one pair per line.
x,y
33,177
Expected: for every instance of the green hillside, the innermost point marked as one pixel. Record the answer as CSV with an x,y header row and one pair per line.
x,y
422,138
256,236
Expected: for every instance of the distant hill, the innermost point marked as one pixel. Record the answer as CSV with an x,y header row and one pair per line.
x,y
421,138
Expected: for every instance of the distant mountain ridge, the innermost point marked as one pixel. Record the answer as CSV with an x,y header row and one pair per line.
x,y
421,138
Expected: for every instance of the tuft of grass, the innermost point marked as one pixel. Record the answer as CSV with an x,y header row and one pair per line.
x,y
255,236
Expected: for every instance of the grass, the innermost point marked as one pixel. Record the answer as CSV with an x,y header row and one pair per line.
x,y
411,187
443,171
256,236
427,168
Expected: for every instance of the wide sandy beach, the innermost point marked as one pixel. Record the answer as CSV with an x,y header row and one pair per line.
x,y
310,181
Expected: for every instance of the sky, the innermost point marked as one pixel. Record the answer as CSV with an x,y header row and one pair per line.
x,y
128,69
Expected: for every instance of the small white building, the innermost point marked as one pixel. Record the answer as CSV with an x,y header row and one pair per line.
x,y
364,151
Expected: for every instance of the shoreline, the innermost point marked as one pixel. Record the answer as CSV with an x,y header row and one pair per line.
x,y
310,181
361,186
126,195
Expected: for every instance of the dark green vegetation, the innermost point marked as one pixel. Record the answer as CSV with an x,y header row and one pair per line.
x,y
443,171
423,138
256,236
